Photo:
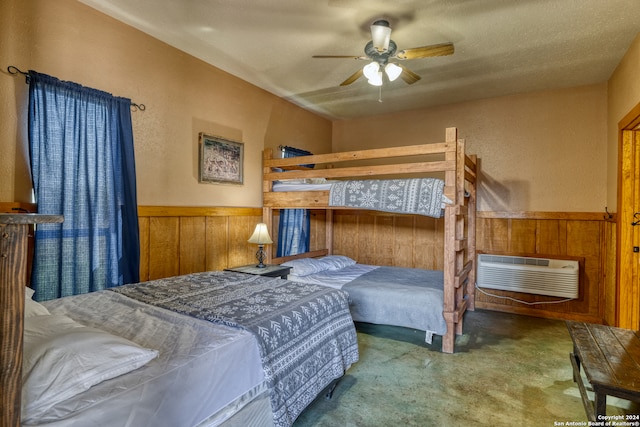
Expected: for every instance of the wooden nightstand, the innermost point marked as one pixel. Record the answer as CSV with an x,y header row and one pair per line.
x,y
268,271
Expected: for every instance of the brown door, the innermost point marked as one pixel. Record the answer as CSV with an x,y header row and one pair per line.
x,y
628,226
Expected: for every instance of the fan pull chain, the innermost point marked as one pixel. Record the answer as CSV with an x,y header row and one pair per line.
x,y
380,93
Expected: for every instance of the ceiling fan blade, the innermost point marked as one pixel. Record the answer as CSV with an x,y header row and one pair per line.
x,y
408,76
352,78
339,56
426,51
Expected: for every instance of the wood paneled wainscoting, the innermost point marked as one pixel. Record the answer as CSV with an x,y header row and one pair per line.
x,y
588,237
417,242
183,240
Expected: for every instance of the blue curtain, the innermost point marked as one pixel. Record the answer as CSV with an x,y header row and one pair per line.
x,y
294,225
82,166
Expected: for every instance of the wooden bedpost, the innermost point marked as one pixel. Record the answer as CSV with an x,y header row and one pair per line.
x,y
328,229
449,306
459,240
267,213
14,230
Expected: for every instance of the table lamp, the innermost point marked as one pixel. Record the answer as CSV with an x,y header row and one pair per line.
x,y
260,237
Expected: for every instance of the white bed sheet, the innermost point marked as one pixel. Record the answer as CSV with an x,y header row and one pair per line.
x,y
203,375
299,186
334,278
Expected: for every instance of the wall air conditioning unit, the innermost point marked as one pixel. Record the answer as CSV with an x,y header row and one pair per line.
x,y
541,276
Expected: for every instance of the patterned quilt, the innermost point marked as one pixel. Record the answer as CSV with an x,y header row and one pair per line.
x,y
423,196
305,332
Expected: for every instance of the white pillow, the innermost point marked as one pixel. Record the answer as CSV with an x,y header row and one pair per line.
x,y
28,292
336,262
305,266
292,181
63,358
315,180
31,307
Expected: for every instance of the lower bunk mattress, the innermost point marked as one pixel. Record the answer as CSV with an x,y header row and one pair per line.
x,y
208,371
407,297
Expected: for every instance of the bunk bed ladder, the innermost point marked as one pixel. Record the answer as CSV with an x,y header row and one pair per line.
x,y
459,240
471,175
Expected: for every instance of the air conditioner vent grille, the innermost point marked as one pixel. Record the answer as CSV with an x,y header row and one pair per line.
x,y
541,276
515,260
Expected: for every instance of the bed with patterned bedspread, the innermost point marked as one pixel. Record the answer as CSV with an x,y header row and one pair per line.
x,y
305,332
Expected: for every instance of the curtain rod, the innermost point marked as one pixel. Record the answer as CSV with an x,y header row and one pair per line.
x,y
15,70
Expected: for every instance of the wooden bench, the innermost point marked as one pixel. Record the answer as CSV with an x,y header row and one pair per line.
x,y
610,358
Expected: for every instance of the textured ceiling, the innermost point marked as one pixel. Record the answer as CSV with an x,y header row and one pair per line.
x,y
501,46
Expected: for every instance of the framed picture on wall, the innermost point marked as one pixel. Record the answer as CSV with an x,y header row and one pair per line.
x,y
221,160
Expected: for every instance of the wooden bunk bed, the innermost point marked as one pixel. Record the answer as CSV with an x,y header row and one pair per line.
x,y
459,172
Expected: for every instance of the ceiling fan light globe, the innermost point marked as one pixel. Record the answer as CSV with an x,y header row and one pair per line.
x,y
393,71
371,70
381,35
376,80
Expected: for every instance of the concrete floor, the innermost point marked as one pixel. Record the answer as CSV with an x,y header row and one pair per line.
x,y
508,370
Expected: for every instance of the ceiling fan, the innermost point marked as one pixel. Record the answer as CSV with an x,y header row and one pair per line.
x,y
381,49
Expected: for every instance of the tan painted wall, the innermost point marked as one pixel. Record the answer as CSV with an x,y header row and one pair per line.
x,y
542,151
183,96
623,95
539,151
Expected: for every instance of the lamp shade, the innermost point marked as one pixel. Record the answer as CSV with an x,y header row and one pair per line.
x,y
393,71
376,80
380,35
260,235
371,70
